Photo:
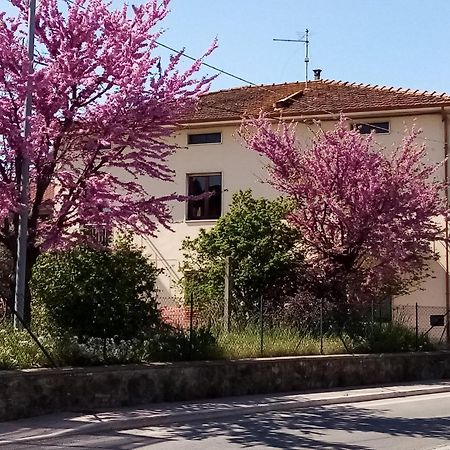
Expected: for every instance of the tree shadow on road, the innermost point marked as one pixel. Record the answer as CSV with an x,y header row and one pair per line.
x,y
308,428
99,441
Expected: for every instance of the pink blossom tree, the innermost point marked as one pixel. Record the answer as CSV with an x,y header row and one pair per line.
x,y
368,218
103,109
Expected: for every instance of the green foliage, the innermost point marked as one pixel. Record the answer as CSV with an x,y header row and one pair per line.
x,y
277,341
179,345
393,337
262,247
19,351
6,266
90,293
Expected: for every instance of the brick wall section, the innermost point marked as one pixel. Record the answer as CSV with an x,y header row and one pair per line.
x,y
177,316
43,391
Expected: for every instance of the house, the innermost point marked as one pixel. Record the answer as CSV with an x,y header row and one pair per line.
x,y
212,157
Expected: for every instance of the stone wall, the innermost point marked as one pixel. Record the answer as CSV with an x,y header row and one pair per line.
x,y
41,391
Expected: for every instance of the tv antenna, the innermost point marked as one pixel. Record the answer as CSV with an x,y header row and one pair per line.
x,y
304,40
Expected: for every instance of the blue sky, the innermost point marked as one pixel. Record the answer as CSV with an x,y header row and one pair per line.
x,y
402,43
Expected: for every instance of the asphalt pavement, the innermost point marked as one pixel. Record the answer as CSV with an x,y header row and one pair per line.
x,y
345,420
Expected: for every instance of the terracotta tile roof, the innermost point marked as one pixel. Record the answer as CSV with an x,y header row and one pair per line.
x,y
320,97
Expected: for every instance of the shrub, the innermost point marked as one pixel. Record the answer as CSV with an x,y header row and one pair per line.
x,y
19,351
263,252
396,337
178,345
89,293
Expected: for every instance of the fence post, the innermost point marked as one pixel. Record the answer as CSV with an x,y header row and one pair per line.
x,y
191,325
321,326
261,321
417,327
226,296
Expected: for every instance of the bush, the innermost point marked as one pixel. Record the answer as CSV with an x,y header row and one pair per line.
x,y
396,337
263,250
19,351
178,345
88,293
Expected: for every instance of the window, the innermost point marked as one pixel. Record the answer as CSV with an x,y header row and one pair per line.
x,y
377,127
205,138
209,207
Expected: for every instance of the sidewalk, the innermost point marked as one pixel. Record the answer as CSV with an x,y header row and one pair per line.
x,y
59,425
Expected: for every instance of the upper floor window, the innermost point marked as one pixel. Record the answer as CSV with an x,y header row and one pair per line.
x,y
209,207
377,127
204,138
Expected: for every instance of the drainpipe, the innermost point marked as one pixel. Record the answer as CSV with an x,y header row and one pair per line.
x,y
447,280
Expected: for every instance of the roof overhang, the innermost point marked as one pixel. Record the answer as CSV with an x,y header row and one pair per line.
x,y
326,116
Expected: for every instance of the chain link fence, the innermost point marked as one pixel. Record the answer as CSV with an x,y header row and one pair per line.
x,y
316,328
429,321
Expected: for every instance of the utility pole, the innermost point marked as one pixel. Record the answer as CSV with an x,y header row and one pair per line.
x,y
304,40
22,238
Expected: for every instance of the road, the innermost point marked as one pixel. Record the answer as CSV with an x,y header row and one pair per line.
x,y
413,423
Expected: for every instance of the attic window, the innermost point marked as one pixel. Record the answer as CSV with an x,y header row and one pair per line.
x,y
377,127
204,138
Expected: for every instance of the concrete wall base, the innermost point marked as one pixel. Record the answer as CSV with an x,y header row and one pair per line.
x,y
34,392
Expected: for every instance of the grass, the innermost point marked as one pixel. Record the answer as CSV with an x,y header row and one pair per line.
x,y
246,343
18,350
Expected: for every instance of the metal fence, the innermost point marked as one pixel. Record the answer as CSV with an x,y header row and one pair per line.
x,y
430,321
316,329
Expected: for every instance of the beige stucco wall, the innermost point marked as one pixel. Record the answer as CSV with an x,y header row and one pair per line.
x,y
244,169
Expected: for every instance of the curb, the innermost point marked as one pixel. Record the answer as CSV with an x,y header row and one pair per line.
x,y
157,419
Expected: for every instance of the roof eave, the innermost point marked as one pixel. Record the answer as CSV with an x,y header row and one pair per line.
x,y
328,115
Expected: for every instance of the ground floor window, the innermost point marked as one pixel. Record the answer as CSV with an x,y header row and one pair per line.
x,y
209,207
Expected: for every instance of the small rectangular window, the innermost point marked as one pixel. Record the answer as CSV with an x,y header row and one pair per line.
x,y
209,207
377,127
204,138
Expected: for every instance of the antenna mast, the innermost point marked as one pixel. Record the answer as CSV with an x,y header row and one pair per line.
x,y
304,40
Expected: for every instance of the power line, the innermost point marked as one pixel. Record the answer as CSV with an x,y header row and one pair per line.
x,y
304,39
265,88
217,69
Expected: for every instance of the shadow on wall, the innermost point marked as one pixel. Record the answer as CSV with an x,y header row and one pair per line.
x,y
431,292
